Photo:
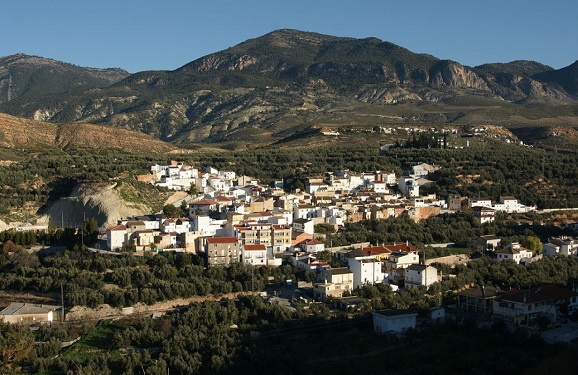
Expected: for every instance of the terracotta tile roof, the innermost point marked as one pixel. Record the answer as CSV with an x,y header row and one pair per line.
x,y
255,247
401,247
376,250
214,240
202,202
118,227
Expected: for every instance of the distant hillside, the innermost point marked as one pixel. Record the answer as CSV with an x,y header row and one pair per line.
x,y
272,87
23,134
565,78
32,76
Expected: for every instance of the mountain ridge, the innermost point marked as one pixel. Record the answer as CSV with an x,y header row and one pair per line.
x,y
286,80
24,75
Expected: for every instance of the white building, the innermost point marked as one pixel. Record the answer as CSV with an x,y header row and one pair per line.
x,y
30,313
304,226
397,263
366,271
380,186
254,255
408,186
228,175
312,246
208,226
560,246
514,252
115,237
479,202
393,321
304,211
418,275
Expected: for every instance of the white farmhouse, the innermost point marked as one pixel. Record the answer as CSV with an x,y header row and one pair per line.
x,y
393,321
115,237
514,252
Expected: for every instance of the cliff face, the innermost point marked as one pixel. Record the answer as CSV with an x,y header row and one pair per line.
x,y
97,201
452,74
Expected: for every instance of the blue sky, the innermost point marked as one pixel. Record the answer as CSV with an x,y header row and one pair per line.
x,y
139,35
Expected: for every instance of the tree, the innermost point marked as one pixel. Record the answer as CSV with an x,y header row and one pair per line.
x,y
11,247
16,344
90,229
193,189
172,211
533,243
184,208
324,255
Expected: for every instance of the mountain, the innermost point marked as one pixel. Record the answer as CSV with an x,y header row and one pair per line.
x,y
280,84
23,134
30,76
565,78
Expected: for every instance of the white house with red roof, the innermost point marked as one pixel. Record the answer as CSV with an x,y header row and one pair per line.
x,y
312,246
254,254
379,186
115,237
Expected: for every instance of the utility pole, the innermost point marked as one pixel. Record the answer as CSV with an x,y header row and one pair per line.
x,y
62,302
82,230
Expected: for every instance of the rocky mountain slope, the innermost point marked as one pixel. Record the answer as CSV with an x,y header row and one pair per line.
x,y
271,87
23,76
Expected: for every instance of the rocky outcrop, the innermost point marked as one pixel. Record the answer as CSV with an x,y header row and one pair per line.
x,y
97,201
387,95
451,74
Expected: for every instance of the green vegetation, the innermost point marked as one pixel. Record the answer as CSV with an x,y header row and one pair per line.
x,y
131,279
33,76
455,228
249,334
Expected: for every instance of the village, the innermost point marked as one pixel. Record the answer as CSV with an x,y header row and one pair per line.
x,y
229,219
234,219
